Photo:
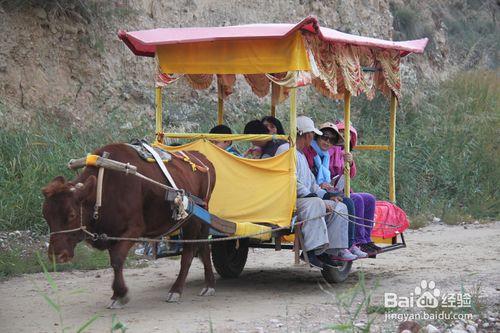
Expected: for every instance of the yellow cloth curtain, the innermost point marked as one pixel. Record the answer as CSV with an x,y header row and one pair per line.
x,y
259,191
244,56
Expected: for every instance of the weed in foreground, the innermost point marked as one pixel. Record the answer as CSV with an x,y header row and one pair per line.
x,y
54,300
353,304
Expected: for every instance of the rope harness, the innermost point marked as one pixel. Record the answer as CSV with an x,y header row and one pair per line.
x,y
103,236
180,214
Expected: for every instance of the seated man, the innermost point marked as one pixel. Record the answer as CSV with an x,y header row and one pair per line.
x,y
325,238
227,145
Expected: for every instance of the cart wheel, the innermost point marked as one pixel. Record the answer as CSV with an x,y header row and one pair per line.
x,y
337,274
228,260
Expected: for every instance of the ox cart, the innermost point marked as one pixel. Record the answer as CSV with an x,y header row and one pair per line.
x,y
253,201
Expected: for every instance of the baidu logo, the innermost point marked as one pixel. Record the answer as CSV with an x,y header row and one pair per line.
x,y
426,295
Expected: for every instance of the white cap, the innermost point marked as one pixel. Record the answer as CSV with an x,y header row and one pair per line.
x,y
306,125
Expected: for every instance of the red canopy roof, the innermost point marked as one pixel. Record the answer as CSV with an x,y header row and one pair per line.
x,y
144,42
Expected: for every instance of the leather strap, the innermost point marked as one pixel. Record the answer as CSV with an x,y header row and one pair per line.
x,y
160,164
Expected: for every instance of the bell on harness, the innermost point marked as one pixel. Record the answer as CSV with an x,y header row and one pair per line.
x,y
180,205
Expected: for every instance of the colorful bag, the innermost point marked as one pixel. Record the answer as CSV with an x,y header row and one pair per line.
x,y
390,219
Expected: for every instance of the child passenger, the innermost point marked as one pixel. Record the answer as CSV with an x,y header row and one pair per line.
x,y
227,145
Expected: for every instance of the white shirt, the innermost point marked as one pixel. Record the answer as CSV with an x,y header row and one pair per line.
x,y
306,182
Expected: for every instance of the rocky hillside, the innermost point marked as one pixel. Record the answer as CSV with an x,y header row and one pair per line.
x,y
63,57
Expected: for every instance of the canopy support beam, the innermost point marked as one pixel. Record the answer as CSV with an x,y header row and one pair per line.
x,y
293,115
220,105
347,140
159,114
392,149
223,137
293,146
373,147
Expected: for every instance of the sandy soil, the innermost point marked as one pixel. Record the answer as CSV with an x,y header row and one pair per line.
x,y
271,295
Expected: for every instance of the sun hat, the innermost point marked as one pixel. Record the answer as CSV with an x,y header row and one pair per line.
x,y
329,125
354,133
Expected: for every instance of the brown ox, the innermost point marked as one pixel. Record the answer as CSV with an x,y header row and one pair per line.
x,y
130,208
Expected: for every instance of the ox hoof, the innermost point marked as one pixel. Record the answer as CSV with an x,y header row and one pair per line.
x,y
173,298
118,303
207,292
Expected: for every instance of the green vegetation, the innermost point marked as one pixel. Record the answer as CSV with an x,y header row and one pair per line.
x,y
15,262
447,149
447,161
353,304
54,299
469,26
30,157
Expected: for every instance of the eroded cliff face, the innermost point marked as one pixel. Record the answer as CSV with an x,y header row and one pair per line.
x,y
64,58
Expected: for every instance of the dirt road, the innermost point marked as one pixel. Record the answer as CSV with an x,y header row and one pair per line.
x,y
271,295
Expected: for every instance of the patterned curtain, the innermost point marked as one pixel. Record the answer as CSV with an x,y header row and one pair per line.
x,y
335,68
323,62
199,81
338,67
226,85
390,63
367,59
259,84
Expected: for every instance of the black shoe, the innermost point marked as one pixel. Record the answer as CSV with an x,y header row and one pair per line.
x,y
368,249
314,261
328,261
375,247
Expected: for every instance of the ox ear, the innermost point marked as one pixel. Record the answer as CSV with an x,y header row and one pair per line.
x,y
53,186
85,191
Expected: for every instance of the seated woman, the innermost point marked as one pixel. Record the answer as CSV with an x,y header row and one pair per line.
x,y
256,150
364,203
227,145
274,126
323,159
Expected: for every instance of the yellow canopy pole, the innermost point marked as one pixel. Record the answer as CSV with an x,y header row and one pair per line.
x,y
293,115
347,140
372,147
220,106
159,114
275,89
223,137
392,149
293,146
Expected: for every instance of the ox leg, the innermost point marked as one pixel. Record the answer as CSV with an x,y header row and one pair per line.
x,y
118,254
204,254
209,289
174,295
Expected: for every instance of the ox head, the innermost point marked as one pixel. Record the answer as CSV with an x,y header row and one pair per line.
x,y
61,210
